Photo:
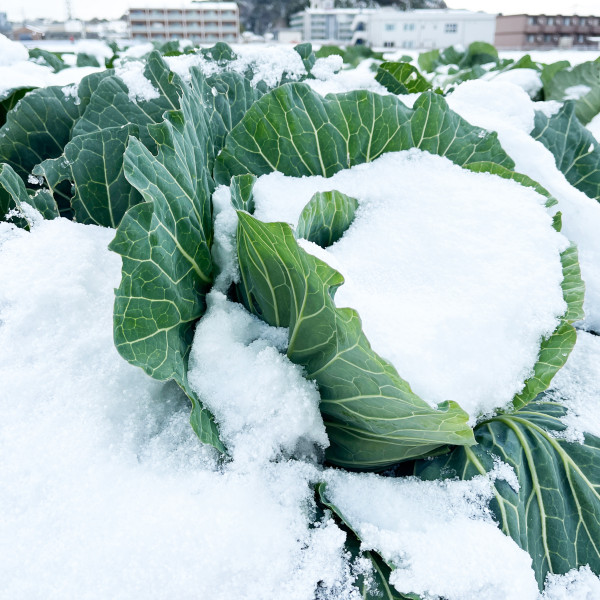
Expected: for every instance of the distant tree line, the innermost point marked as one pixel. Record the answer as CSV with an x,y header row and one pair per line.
x,y
261,16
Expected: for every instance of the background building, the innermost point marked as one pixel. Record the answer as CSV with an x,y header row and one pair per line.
x,y
423,29
529,32
200,22
322,22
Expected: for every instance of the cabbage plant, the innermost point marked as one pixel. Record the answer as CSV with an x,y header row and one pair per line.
x,y
148,168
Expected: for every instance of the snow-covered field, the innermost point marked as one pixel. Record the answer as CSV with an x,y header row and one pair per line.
x,y
465,284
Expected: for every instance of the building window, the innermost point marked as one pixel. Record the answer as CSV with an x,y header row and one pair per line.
x,y
531,38
407,44
388,44
550,20
390,27
567,20
450,28
541,20
532,21
409,26
574,20
582,21
547,38
558,20
580,38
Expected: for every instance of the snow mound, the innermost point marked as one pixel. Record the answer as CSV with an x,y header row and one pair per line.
x,y
581,214
11,52
455,288
577,584
261,401
438,534
106,492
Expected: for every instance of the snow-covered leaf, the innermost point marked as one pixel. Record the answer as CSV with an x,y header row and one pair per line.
x,y
165,244
575,149
373,418
581,84
553,511
13,195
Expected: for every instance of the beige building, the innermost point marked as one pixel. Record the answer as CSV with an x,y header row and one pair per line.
x,y
544,32
198,21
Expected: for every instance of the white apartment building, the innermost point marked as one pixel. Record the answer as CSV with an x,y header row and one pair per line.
x,y
204,21
422,29
324,23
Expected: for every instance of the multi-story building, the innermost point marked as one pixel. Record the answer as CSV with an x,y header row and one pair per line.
x,y
198,21
422,29
544,32
322,22
5,26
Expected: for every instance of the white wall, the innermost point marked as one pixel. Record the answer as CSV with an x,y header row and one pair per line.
x,y
425,29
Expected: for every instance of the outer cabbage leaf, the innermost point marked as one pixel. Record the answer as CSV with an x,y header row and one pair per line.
x,y
48,59
165,244
41,125
576,151
298,132
587,75
13,195
86,60
94,163
549,71
478,53
555,513
373,418
221,53
307,55
326,217
111,106
401,78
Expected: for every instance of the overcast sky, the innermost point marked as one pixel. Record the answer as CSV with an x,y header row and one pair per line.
x,y
86,9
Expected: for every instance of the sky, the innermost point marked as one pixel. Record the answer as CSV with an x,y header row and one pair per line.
x,y
84,9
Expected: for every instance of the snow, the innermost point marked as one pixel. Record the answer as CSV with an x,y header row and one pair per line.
x,y
527,79
361,78
577,386
594,126
327,67
28,74
439,535
440,271
263,404
11,52
106,493
577,584
497,101
224,252
269,64
137,50
131,73
576,91
512,119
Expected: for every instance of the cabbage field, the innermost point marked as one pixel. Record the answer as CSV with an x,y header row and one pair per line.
x,y
286,324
